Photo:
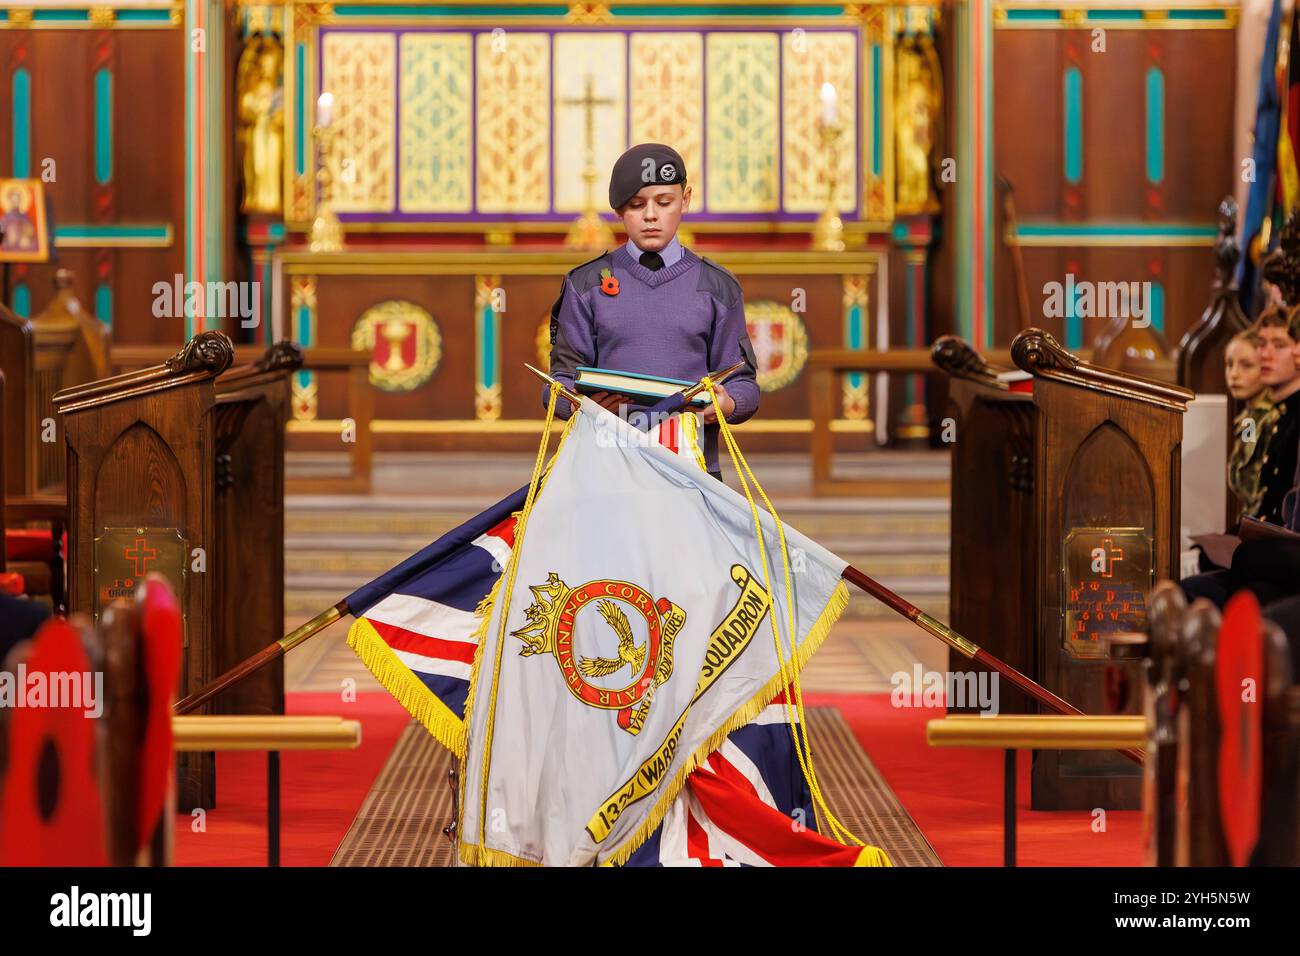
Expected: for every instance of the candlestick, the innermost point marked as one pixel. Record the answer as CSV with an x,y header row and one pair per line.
x,y
829,104
325,109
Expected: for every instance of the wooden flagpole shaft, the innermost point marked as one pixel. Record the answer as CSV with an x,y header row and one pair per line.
x,y
976,653
259,660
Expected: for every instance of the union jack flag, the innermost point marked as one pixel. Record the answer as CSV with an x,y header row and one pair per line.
x,y
747,805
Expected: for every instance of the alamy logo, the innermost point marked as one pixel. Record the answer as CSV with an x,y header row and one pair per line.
x,y
74,908
59,689
223,300
965,689
1098,300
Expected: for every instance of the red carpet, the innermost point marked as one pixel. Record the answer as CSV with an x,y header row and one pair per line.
x,y
320,790
955,795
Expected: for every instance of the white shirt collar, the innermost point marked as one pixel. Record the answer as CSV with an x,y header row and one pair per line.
x,y
671,252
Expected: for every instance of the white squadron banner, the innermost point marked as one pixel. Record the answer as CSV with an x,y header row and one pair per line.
x,y
631,632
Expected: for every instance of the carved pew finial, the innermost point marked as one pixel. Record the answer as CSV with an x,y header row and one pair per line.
x,y
207,351
955,356
1227,250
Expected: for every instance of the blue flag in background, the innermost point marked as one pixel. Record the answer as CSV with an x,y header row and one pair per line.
x,y
1268,116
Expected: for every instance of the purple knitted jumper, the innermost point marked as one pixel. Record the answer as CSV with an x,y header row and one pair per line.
x,y
681,322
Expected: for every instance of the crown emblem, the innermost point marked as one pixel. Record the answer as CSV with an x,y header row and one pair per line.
x,y
542,616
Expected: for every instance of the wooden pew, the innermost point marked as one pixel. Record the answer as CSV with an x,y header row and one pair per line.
x,y
10,582
252,406
178,468
1065,508
1199,356
17,362
1223,749
113,798
360,409
35,553
71,347
994,429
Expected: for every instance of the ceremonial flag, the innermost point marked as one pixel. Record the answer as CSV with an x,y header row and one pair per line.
x,y
415,625
1259,199
1289,140
632,633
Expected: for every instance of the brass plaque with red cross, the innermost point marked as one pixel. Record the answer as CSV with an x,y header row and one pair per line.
x,y
1108,572
123,556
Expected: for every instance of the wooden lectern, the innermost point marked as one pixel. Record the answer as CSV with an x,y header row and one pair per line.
x,y
179,468
1065,507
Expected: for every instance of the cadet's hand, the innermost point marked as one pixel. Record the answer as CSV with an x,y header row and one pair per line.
x,y
724,400
608,400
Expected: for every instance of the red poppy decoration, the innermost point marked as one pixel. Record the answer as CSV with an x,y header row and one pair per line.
x,y
49,795
1240,659
161,644
608,283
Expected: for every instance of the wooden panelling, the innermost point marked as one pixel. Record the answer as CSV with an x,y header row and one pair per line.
x,y
1029,115
148,161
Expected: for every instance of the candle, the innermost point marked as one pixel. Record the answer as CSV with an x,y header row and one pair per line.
x,y
325,109
828,104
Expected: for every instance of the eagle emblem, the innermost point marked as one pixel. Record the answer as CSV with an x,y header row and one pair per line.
x,y
555,625
628,652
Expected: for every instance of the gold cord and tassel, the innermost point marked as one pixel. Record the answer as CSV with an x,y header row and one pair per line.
x,y
871,856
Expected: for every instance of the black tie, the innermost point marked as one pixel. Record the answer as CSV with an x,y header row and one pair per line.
x,y
652,261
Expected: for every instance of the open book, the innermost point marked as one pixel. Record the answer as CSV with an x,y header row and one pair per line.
x,y
1219,548
642,389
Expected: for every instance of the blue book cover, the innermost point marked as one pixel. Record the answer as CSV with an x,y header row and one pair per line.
x,y
635,385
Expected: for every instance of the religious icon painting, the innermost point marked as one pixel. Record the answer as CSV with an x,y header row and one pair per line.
x,y
24,230
404,343
780,342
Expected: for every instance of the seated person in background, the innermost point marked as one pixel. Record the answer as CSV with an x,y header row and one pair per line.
x,y
1279,437
20,619
1269,567
1242,372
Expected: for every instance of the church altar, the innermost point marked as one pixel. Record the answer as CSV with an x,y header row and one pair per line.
x,y
430,218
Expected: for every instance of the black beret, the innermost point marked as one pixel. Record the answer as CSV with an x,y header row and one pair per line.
x,y
644,165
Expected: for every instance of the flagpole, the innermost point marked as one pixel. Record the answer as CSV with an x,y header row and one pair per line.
x,y
278,649
968,648
272,652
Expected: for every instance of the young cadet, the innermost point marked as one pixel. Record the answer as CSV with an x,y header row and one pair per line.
x,y
1243,377
1267,566
652,306
1278,333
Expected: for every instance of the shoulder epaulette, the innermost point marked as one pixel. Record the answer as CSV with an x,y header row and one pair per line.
x,y
582,277
719,283
587,275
